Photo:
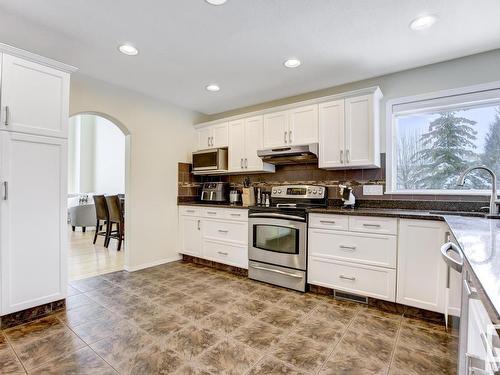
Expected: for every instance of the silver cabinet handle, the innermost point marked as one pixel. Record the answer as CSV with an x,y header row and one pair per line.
x,y
198,225
7,115
372,225
5,190
327,222
212,141
456,265
208,142
289,136
345,247
347,277
211,212
222,253
285,137
223,231
241,163
347,156
246,163
236,215
190,211
277,271
341,156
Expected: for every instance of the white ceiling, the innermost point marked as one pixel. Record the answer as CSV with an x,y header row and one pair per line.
x,y
186,44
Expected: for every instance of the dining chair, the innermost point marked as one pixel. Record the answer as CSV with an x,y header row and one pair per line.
x,y
102,214
115,217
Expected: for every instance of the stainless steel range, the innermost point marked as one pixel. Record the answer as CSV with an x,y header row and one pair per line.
x,y
277,246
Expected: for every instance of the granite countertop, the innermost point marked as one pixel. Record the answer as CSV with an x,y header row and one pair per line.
x,y
396,213
479,239
215,205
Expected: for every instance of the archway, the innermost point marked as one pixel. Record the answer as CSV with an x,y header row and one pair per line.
x,y
98,164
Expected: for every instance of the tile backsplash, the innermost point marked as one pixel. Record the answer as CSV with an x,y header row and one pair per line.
x,y
189,185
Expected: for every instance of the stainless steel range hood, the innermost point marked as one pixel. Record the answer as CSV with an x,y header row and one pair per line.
x,y
304,154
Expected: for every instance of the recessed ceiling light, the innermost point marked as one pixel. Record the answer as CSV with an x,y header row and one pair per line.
x,y
423,22
128,49
292,63
216,2
213,87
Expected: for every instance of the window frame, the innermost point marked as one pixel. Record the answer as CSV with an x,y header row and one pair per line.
x,y
487,93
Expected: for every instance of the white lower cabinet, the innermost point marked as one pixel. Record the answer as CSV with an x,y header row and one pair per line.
x,y
33,234
353,257
421,270
216,234
376,282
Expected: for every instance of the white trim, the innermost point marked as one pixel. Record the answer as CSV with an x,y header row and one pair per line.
x,y
375,90
36,58
152,264
390,135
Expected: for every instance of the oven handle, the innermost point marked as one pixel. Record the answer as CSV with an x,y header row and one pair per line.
x,y
277,271
278,216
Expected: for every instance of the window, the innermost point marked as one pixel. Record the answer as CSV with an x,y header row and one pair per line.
x,y
433,138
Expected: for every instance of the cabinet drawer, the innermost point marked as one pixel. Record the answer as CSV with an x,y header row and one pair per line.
x,y
213,212
232,231
234,255
371,249
370,224
236,214
368,281
338,222
189,211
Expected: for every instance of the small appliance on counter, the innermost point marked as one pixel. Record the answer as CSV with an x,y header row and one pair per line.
x,y
347,196
215,192
234,197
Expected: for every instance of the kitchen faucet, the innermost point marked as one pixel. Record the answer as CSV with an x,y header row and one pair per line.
x,y
493,199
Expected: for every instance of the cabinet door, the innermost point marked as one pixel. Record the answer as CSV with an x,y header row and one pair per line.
x,y
253,142
35,98
33,216
236,148
421,270
361,132
204,138
303,125
190,233
220,135
276,129
331,134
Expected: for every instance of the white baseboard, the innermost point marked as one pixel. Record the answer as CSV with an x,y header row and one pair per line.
x,y
152,264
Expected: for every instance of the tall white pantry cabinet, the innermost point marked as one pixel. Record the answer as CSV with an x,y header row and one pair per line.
x,y
34,106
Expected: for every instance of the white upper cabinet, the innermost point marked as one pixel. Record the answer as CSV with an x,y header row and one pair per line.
x,y
276,129
33,172
331,119
214,136
34,98
303,125
296,126
349,132
245,138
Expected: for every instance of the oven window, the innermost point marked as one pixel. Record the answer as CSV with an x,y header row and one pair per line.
x,y
276,238
204,160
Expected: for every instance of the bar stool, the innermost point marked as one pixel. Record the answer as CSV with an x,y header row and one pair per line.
x,y
102,214
115,217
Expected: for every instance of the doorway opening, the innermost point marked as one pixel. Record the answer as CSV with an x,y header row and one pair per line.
x,y
97,168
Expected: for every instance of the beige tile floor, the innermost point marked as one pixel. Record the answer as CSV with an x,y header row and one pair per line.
x,y
86,260
186,319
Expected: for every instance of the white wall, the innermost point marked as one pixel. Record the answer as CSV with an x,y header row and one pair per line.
x,y
161,135
109,167
96,156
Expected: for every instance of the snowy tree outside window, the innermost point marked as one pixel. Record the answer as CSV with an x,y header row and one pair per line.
x,y
433,147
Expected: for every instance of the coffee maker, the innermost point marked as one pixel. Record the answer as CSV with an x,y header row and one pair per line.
x,y
215,192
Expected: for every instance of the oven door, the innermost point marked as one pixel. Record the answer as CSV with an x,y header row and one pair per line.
x,y
278,239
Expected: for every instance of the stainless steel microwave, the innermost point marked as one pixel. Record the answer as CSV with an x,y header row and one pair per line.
x,y
214,159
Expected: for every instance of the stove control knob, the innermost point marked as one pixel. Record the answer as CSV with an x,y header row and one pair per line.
x,y
274,191
279,191
315,191
309,191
